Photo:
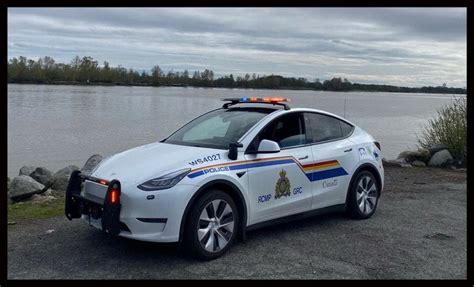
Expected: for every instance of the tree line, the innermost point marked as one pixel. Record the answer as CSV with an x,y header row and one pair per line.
x,y
86,70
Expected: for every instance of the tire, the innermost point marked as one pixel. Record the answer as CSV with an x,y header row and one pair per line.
x,y
209,234
363,196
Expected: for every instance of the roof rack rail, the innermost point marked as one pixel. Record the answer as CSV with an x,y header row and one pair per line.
x,y
267,100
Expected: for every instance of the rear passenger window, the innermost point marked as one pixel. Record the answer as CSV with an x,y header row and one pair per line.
x,y
326,128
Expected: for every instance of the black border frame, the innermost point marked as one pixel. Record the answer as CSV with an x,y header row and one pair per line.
x,y
233,3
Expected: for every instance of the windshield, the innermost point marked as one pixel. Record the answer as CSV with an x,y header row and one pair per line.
x,y
219,128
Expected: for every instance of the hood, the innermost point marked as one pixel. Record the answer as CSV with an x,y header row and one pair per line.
x,y
149,161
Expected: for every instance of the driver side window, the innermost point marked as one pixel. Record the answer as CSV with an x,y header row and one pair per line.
x,y
287,131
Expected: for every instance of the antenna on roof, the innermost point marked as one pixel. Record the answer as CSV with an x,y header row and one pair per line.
x,y
345,98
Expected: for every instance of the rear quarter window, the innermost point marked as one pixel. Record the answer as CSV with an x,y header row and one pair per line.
x,y
346,129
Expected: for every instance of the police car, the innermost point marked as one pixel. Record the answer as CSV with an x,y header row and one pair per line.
x,y
251,163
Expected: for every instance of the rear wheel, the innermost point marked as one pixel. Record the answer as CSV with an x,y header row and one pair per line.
x,y
363,195
211,226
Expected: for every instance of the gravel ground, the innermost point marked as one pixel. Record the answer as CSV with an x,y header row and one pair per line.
x,y
418,231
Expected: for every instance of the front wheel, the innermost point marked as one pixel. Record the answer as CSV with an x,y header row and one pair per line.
x,y
211,226
363,196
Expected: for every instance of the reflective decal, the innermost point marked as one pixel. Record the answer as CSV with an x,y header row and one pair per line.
x,y
297,190
330,183
283,185
313,171
205,159
264,198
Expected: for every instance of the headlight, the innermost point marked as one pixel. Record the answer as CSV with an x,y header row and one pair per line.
x,y
165,181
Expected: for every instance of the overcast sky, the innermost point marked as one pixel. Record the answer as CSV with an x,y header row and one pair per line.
x,y
400,46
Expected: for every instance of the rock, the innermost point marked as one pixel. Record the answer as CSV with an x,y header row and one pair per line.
x,y
42,175
395,162
91,163
403,154
418,163
436,148
26,170
440,158
40,198
420,155
61,177
454,163
23,184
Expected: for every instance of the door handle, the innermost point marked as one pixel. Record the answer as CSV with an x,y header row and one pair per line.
x,y
301,158
348,150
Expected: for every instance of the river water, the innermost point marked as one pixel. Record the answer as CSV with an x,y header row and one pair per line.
x,y
55,126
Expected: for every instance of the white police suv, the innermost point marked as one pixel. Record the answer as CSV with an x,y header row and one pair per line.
x,y
253,162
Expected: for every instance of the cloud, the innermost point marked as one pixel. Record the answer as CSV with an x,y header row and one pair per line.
x,y
410,46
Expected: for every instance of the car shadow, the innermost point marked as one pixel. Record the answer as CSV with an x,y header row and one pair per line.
x,y
125,248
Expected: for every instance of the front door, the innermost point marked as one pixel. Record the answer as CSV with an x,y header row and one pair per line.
x,y
278,184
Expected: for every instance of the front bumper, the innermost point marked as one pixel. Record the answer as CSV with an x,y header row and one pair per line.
x,y
153,216
94,207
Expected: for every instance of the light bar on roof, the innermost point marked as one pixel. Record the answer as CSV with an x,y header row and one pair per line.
x,y
265,100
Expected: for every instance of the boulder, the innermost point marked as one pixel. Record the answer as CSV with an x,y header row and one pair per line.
x,y
26,170
42,175
436,148
61,177
23,184
91,163
420,155
418,163
440,158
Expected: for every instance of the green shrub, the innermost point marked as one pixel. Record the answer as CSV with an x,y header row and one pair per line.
x,y
449,127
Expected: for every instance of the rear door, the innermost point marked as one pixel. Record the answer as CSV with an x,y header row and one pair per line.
x,y
278,185
335,157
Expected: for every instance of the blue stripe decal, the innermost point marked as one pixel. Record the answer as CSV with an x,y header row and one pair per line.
x,y
259,164
319,175
197,173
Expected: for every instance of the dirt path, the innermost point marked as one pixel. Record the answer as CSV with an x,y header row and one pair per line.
x,y
418,231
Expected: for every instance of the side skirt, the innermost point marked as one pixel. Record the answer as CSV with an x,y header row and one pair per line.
x,y
306,214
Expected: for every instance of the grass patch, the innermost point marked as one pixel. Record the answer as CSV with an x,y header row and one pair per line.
x,y
28,211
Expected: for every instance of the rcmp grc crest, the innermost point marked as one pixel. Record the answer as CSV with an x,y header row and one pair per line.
x,y
283,186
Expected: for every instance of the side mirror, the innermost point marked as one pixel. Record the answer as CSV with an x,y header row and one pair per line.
x,y
233,150
268,146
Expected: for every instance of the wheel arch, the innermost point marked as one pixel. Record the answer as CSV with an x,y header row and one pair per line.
x,y
228,187
368,167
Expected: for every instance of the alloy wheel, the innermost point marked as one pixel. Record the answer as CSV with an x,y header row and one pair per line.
x,y
216,225
366,194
